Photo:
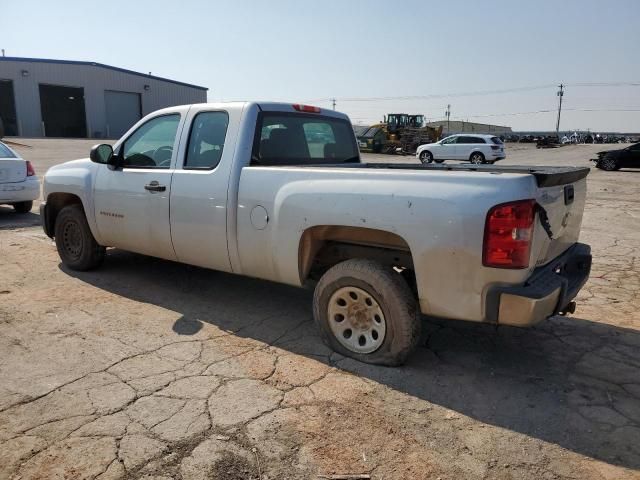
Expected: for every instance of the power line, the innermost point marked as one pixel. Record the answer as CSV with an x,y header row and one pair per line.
x,y
534,112
477,93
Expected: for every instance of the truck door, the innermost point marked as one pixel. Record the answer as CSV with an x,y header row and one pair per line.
x,y
199,188
132,202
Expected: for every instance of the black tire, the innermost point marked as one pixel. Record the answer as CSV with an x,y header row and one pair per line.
x,y
391,294
609,163
477,158
76,246
426,156
23,207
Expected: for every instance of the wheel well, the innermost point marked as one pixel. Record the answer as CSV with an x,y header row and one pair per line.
x,y
323,246
55,203
477,151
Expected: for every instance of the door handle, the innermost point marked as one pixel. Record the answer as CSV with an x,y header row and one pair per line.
x,y
155,187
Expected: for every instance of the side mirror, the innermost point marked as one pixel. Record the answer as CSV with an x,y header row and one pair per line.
x,y
102,153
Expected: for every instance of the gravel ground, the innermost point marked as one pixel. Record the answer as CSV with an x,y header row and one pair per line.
x,y
151,369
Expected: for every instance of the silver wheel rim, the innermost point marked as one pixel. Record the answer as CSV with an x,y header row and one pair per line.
x,y
476,159
425,157
356,320
609,163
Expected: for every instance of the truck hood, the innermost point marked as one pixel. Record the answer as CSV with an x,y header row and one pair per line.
x,y
80,163
602,154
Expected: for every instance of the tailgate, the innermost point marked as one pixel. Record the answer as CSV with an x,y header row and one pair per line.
x,y
560,215
13,170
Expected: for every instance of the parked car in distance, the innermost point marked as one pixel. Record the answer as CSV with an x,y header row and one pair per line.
x,y
19,186
610,160
242,188
467,147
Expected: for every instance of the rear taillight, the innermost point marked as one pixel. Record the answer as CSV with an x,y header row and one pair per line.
x,y
30,171
306,108
507,235
495,147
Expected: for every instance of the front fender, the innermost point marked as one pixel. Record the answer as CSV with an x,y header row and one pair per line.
x,y
74,178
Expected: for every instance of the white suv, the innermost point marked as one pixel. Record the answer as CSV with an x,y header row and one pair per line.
x,y
472,148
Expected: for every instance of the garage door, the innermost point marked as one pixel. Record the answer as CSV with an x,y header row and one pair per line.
x,y
123,110
62,109
7,109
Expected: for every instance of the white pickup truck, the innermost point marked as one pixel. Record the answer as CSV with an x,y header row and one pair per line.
x,y
278,191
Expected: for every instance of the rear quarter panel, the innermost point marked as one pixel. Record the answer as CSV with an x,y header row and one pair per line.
x,y
440,215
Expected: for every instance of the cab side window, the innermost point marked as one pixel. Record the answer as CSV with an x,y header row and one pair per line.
x,y
151,145
206,140
470,140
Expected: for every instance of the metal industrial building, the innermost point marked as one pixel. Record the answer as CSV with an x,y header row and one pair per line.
x,y
64,98
459,126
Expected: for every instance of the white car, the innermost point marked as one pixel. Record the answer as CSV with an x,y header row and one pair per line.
x,y
472,148
19,185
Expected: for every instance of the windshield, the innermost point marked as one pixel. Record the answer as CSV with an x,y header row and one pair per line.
x,y
5,152
298,139
371,132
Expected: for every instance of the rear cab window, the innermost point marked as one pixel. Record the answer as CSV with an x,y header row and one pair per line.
x,y
496,140
303,139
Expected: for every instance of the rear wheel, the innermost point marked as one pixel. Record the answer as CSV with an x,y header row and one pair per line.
x,y
76,246
366,311
477,158
23,207
426,157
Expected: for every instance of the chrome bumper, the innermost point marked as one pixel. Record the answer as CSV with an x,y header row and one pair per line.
x,y
548,291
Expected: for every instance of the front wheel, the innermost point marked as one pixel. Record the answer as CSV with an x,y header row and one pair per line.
x,y
76,246
367,312
23,207
426,157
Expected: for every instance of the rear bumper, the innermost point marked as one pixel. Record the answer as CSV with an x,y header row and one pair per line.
x,y
20,191
547,292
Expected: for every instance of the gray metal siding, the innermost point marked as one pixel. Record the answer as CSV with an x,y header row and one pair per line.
x,y
95,80
458,126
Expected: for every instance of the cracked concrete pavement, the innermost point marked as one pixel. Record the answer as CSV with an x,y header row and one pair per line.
x,y
147,369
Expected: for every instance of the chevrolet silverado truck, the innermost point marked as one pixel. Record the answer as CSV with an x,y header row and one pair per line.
x,y
279,192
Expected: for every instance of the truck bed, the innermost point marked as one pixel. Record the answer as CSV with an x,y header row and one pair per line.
x,y
545,176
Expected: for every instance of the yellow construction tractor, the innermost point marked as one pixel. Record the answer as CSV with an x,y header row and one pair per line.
x,y
398,133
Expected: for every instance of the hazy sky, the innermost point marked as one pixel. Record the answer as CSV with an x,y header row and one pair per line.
x,y
311,50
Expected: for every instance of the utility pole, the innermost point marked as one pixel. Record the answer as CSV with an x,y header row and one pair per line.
x,y
560,95
448,115
333,100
